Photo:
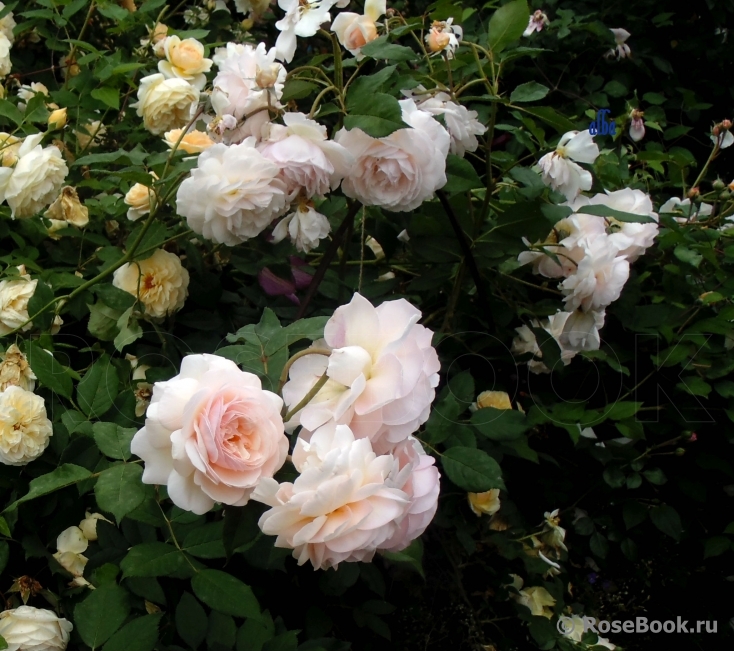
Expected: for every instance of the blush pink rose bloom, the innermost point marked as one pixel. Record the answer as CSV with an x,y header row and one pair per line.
x,y
342,507
308,161
422,487
382,374
211,434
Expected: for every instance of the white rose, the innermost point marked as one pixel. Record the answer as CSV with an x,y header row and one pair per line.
x,y
15,370
36,179
165,104
34,629
88,525
237,91
14,296
382,373
560,172
631,238
160,282
398,172
24,427
461,123
342,507
211,434
6,65
232,195
185,60
71,545
9,147
308,162
304,226
7,24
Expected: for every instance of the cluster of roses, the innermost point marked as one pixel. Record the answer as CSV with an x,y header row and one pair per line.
x,y
213,434
252,171
589,254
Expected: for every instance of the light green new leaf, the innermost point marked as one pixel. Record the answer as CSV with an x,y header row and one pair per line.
x,y
507,24
101,614
225,593
120,490
65,475
471,469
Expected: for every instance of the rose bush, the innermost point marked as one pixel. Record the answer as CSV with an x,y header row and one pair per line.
x,y
335,325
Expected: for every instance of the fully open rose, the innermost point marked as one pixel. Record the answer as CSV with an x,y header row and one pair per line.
x,y
211,434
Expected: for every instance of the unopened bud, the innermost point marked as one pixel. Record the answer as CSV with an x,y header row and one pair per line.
x,y
679,452
438,41
266,77
57,119
159,33
726,124
716,130
718,184
247,24
725,195
693,193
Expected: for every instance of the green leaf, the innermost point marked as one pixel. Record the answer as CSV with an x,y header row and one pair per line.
x,y
152,559
599,545
549,348
254,633
666,519
65,475
4,528
655,476
42,296
471,469
411,556
690,256
113,440
49,372
108,96
297,89
621,410
130,330
529,92
10,111
98,388
507,24
120,489
381,49
114,296
140,634
378,118
364,88
716,546
191,620
461,175
206,541
500,424
552,117
103,321
102,612
225,593
605,211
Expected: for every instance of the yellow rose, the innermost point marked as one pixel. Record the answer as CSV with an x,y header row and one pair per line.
x,y
24,426
141,199
68,208
15,370
57,119
485,503
495,399
185,60
159,282
165,104
194,142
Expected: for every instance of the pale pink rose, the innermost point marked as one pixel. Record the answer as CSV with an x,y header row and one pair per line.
x,y
308,161
402,170
422,487
354,32
382,373
211,434
342,507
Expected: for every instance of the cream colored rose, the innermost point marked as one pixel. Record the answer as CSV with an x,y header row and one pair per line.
x,y
354,31
15,370
165,104
91,134
57,119
6,65
34,629
9,146
36,179
24,427
14,296
185,60
194,142
88,525
7,23
160,282
141,199
68,208
494,399
71,545
485,503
